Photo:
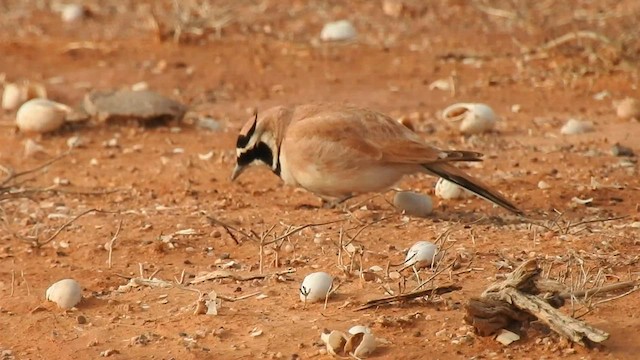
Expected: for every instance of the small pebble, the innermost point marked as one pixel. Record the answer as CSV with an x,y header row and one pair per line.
x,y
81,319
574,127
621,150
628,108
543,185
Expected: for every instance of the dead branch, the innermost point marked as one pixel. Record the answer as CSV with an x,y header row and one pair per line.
x,y
222,274
438,290
15,175
489,313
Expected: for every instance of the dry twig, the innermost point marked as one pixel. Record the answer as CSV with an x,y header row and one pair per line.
x,y
113,241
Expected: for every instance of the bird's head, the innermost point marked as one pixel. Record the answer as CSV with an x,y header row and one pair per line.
x,y
259,140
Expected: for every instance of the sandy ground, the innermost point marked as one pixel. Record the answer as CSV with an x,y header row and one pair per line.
x,y
164,183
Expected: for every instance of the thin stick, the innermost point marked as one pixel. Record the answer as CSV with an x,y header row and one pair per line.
x,y
300,228
603,289
261,255
113,242
57,232
154,273
617,297
364,227
232,299
13,280
573,36
13,175
228,228
597,220
181,281
26,282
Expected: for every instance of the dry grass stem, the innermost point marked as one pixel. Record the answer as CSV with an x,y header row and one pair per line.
x,y
113,242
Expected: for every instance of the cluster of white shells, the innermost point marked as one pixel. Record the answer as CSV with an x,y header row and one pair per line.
x,y
358,342
36,113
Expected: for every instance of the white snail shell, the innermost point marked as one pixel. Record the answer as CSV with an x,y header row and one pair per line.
x,y
475,118
447,190
67,293
41,115
316,286
359,329
422,254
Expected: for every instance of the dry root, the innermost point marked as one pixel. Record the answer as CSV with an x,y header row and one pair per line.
x,y
523,296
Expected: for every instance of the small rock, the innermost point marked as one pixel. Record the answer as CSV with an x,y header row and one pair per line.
x,y
144,106
75,142
109,352
209,124
140,86
506,337
621,150
574,127
392,8
628,108
543,185
341,30
81,319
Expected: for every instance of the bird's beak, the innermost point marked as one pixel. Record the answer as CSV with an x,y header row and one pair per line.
x,y
237,171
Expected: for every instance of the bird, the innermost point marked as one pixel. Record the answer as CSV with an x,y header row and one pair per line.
x,y
337,151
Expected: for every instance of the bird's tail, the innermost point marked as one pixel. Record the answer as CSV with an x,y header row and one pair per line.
x,y
459,177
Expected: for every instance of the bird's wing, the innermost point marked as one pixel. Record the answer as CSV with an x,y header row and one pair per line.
x,y
369,134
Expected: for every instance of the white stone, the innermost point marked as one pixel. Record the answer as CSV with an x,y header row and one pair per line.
x,y
413,204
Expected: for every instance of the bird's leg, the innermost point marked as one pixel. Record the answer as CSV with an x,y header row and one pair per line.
x,y
332,203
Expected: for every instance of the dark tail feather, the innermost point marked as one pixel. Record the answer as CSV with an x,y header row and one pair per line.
x,y
457,176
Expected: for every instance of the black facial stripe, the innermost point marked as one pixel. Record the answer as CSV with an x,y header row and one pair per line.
x,y
277,170
243,140
261,152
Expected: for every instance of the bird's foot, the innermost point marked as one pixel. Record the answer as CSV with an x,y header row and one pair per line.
x,y
335,203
